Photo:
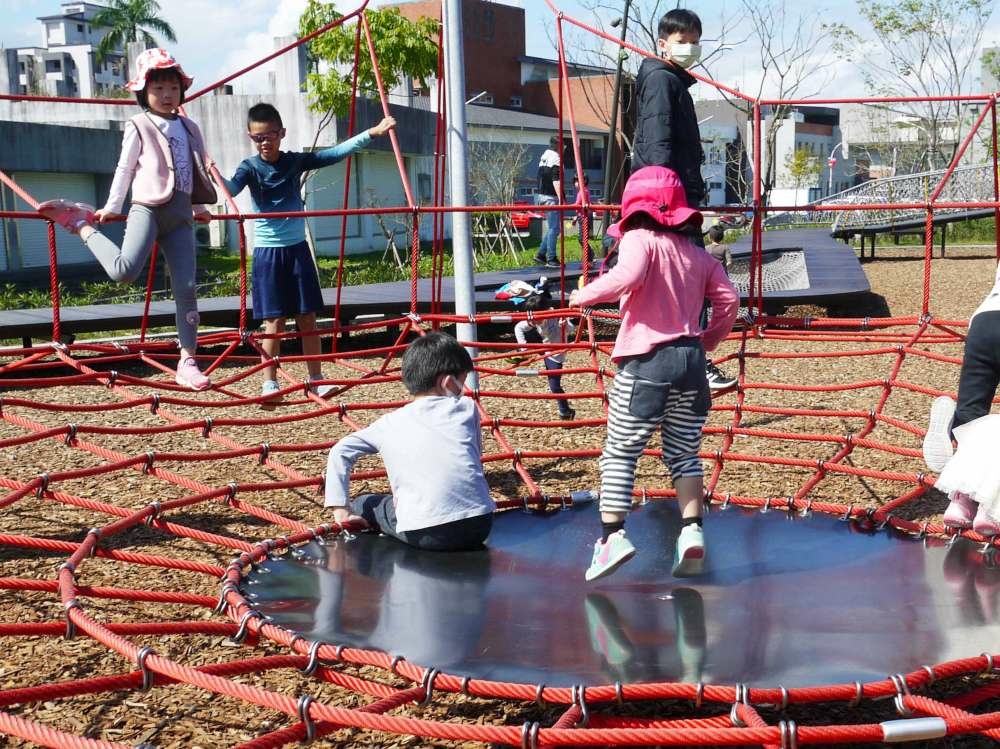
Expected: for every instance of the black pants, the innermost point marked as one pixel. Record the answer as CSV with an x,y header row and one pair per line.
x,y
461,535
977,383
555,384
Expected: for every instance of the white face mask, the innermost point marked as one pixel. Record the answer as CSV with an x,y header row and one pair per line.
x,y
456,394
684,55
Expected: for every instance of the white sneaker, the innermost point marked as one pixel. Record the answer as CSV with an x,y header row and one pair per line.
x,y
321,390
270,391
717,379
937,442
689,558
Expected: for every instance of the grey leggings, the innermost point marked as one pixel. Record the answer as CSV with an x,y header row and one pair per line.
x,y
171,225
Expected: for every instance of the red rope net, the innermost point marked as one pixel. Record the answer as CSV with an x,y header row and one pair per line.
x,y
181,488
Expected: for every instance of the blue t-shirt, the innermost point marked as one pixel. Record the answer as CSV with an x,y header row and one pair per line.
x,y
274,188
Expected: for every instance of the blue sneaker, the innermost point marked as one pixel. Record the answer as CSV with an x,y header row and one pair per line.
x,y
608,555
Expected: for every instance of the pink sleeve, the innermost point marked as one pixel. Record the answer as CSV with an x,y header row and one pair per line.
x,y
725,305
628,274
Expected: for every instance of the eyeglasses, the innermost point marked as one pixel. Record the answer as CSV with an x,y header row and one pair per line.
x,y
269,135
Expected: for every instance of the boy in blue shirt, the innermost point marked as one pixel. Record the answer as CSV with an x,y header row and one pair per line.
x,y
284,279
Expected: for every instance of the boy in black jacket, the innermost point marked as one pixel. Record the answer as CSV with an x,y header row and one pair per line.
x,y
666,128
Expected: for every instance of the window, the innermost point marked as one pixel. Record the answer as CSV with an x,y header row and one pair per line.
x,y
484,99
53,66
79,27
515,101
714,185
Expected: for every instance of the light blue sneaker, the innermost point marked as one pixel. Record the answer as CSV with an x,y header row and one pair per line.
x,y
689,557
270,392
321,390
608,555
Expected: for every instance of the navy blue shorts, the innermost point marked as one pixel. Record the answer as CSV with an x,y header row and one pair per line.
x,y
284,282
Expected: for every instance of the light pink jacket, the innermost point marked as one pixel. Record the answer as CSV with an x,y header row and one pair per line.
x,y
153,183
662,280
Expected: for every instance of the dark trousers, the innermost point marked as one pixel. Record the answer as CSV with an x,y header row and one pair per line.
x,y
555,384
977,383
467,534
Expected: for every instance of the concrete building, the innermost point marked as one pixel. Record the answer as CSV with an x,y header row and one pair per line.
x,y
65,63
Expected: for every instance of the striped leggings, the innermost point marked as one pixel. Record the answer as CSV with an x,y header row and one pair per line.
x,y
636,408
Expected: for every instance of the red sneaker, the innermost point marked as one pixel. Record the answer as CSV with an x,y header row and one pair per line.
x,y
69,215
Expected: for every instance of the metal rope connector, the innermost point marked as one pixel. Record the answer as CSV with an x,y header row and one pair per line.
x,y
302,709
244,628
428,684
147,674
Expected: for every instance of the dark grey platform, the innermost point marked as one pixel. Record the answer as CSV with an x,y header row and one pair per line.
x,y
786,600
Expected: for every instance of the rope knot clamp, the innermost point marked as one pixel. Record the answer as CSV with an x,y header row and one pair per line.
x,y
150,457
847,513
205,430
227,587
885,521
699,694
726,501
154,513
866,322
313,661
784,700
922,533
807,510
147,674
789,503
265,451
71,604
767,506
67,566
244,628
154,403
859,692
580,698
539,699
395,662
529,735
342,408
302,710
789,733
427,683
96,533
43,485
464,688
931,676
496,423
902,691
989,663
70,434
619,693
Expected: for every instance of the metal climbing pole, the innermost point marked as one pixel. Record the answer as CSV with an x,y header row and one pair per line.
x,y
458,172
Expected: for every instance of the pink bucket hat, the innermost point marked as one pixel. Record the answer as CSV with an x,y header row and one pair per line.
x,y
156,59
658,192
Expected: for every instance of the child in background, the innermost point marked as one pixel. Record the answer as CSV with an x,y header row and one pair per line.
x,y
718,250
970,475
440,500
284,278
661,278
163,160
552,330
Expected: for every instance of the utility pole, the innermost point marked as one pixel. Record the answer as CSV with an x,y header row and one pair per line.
x,y
458,174
608,158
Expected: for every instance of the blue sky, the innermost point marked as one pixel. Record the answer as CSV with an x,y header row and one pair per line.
x,y
224,35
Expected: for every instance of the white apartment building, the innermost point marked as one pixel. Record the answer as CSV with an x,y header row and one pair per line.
x,y
65,64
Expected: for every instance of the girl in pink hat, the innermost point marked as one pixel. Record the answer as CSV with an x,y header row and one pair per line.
x,y
162,161
661,280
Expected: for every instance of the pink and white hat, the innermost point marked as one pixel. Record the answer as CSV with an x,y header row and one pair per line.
x,y
658,192
156,59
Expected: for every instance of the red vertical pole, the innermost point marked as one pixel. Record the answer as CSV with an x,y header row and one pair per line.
x,y
756,291
243,275
54,281
996,178
347,183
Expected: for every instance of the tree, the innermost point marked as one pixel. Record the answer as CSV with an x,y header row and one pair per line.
x,y
128,21
802,167
495,168
920,48
403,47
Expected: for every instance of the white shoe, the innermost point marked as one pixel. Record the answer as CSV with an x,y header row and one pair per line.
x,y
321,390
689,558
937,442
270,391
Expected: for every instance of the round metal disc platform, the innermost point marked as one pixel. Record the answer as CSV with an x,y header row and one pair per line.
x,y
786,600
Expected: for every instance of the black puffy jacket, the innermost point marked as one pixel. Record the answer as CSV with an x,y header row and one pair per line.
x,y
666,128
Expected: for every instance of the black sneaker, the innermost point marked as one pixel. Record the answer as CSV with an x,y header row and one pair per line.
x,y
552,264
538,259
568,415
717,380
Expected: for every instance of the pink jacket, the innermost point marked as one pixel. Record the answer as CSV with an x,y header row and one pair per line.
x,y
153,183
662,280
